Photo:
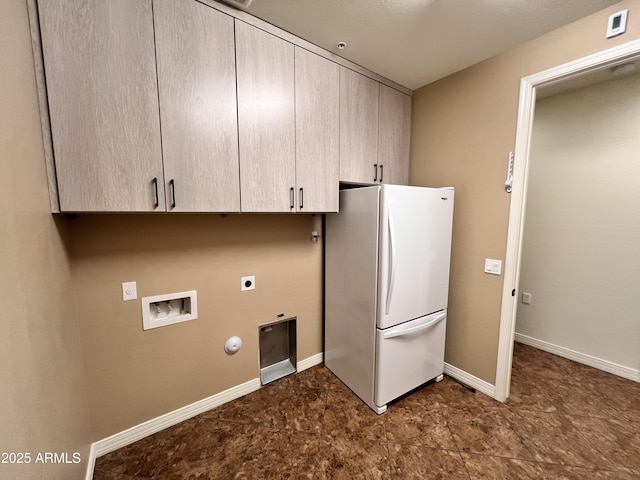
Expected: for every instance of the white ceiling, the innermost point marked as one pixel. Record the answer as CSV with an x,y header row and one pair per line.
x,y
415,42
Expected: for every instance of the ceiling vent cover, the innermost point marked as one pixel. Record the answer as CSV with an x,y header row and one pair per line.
x,y
244,4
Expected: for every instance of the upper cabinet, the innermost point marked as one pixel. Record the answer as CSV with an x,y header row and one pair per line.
x,y
394,133
266,120
317,92
375,129
288,117
181,106
358,127
103,104
197,88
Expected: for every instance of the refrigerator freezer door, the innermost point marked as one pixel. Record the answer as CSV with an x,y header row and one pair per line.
x,y
409,355
415,248
351,243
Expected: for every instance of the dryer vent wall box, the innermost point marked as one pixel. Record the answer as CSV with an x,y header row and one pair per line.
x,y
162,310
617,23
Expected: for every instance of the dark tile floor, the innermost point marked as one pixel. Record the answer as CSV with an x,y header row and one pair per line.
x,y
563,421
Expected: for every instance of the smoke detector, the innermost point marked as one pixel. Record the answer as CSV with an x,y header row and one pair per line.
x,y
244,4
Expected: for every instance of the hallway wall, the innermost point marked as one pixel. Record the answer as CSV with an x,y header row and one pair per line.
x,y
580,257
43,396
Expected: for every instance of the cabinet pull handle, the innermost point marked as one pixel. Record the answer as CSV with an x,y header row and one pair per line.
x,y
156,203
381,172
301,198
172,185
291,198
375,172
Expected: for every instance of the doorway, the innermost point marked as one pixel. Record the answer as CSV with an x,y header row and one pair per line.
x,y
528,90
580,264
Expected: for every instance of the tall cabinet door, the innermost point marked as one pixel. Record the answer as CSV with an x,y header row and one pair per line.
x,y
100,67
317,87
394,135
266,120
197,87
358,127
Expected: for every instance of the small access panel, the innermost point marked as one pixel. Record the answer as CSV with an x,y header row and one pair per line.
x,y
277,350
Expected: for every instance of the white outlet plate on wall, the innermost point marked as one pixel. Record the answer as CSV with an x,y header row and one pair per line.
x,y
248,283
129,291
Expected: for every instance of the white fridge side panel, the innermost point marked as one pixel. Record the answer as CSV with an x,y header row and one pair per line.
x,y
351,242
415,251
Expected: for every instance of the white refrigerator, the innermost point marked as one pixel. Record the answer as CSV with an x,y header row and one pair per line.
x,y
386,286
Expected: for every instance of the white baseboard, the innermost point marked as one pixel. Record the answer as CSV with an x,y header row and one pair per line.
x,y
310,362
133,434
470,380
605,365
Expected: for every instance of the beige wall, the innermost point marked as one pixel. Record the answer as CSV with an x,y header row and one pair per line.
x,y
43,402
580,258
136,375
463,128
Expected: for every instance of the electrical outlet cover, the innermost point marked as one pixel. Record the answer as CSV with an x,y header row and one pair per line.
x,y
248,283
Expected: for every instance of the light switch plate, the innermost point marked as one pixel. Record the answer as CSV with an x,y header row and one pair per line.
x,y
494,267
129,291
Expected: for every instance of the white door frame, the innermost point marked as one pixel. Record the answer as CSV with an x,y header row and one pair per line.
x,y
528,86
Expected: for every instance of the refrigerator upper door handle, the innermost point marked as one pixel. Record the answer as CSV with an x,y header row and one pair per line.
x,y
398,332
392,263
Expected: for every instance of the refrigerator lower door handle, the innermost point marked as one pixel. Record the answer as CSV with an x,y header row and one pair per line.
x,y
392,263
399,332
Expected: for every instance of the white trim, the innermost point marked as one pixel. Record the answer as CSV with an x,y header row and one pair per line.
x,y
310,362
157,424
583,358
470,380
526,108
514,241
138,432
91,462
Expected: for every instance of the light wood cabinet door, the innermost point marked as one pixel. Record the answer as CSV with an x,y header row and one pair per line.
x,y
394,136
197,88
358,127
266,120
317,87
100,68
